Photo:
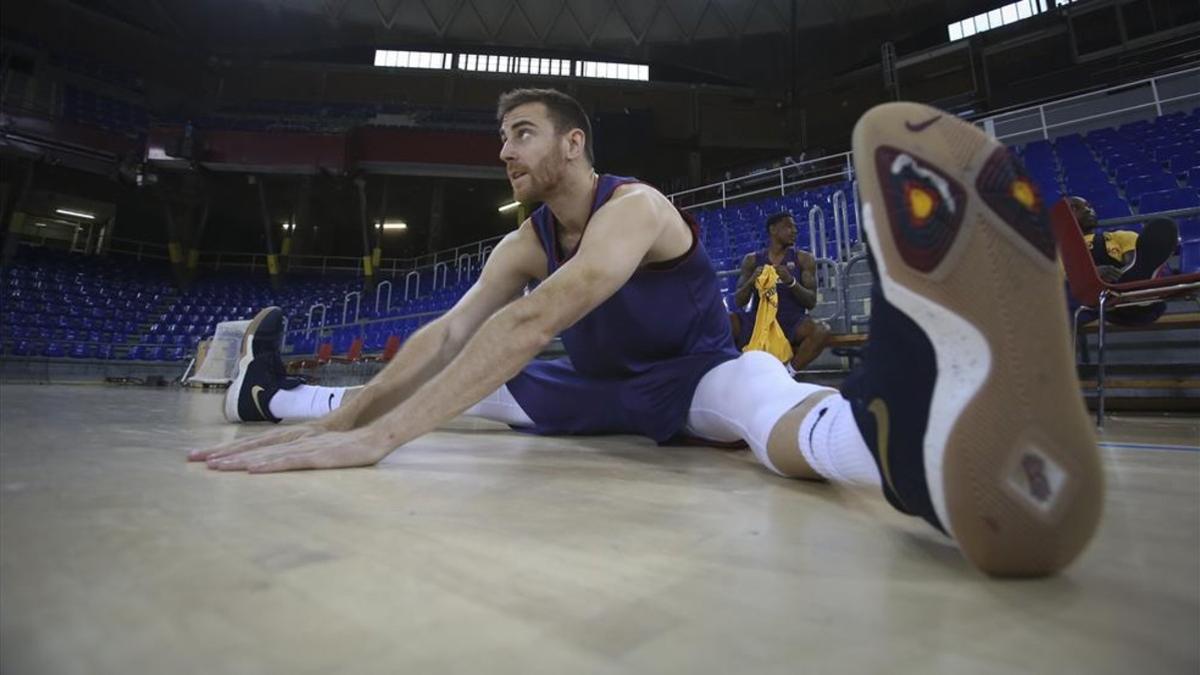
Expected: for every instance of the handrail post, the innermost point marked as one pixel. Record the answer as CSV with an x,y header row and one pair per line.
x,y
346,305
848,326
379,296
1157,100
311,309
837,229
461,267
445,268
815,216
409,278
722,194
841,226
1045,129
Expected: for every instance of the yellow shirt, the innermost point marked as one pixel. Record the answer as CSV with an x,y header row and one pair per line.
x,y
1116,242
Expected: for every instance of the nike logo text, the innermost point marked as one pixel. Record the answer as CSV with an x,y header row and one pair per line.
x,y
922,126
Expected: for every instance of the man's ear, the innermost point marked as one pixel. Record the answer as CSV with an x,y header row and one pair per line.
x,y
576,143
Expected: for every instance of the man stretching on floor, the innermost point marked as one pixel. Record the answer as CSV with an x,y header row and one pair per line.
x,y
797,291
967,411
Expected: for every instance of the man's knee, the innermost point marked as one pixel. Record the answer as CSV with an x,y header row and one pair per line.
x,y
812,330
820,332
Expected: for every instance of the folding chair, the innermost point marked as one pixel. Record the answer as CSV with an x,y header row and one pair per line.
x,y
1092,292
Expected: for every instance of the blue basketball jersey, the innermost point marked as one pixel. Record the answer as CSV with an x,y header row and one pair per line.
x,y
633,361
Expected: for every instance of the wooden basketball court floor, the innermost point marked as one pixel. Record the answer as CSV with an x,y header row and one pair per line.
x,y
480,550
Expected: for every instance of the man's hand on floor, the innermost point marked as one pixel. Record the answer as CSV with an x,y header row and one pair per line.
x,y
307,446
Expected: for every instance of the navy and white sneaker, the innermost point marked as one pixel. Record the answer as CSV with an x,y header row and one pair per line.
x,y
968,396
260,370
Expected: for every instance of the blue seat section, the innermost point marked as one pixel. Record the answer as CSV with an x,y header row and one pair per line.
x,y
56,304
1136,168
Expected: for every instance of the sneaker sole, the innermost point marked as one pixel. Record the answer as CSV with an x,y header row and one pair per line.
x,y
1010,454
245,356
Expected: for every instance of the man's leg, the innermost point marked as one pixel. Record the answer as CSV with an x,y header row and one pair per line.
x,y
967,404
262,391
501,406
809,339
1155,245
968,396
754,398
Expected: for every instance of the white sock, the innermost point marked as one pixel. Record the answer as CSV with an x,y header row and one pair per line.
x,y
501,406
837,450
305,402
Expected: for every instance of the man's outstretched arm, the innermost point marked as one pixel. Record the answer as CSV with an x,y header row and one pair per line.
x,y
512,264
514,261
618,239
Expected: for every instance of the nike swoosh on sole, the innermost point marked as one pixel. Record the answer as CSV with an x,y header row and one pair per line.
x,y
921,126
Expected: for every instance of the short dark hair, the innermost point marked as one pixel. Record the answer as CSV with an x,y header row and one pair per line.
x,y
565,112
775,218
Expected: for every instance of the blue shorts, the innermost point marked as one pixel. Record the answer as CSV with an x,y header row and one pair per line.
x,y
653,403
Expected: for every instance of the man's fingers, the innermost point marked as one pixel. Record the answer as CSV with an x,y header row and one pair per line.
x,y
247,444
241,460
290,462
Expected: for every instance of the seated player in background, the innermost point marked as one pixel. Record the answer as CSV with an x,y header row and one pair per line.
x,y
797,288
1122,256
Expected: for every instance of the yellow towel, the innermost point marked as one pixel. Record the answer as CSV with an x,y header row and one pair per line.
x,y
768,336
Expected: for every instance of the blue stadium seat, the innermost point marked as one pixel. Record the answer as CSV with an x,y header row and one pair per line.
x,y
1178,198
1189,256
1135,188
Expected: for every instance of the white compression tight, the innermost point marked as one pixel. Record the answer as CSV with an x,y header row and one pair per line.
x,y
743,399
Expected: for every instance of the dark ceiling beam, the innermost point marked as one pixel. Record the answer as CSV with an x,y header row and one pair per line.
x,y
387,18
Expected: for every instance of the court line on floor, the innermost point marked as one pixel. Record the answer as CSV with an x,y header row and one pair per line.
x,y
1148,446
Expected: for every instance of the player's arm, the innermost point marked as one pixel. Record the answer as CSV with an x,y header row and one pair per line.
x,y
805,291
512,264
745,284
618,239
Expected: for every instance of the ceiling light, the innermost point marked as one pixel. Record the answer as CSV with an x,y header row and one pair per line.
x,y
508,207
395,225
77,214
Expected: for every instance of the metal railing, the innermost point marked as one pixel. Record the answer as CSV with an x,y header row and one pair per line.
x,y
357,295
379,296
1132,101
767,181
324,316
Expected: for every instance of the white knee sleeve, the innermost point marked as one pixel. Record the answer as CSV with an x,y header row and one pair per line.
x,y
501,406
742,399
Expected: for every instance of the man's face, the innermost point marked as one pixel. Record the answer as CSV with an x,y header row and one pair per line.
x,y
534,153
1084,213
784,231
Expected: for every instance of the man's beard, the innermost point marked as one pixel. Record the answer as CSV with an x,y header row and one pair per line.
x,y
544,179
